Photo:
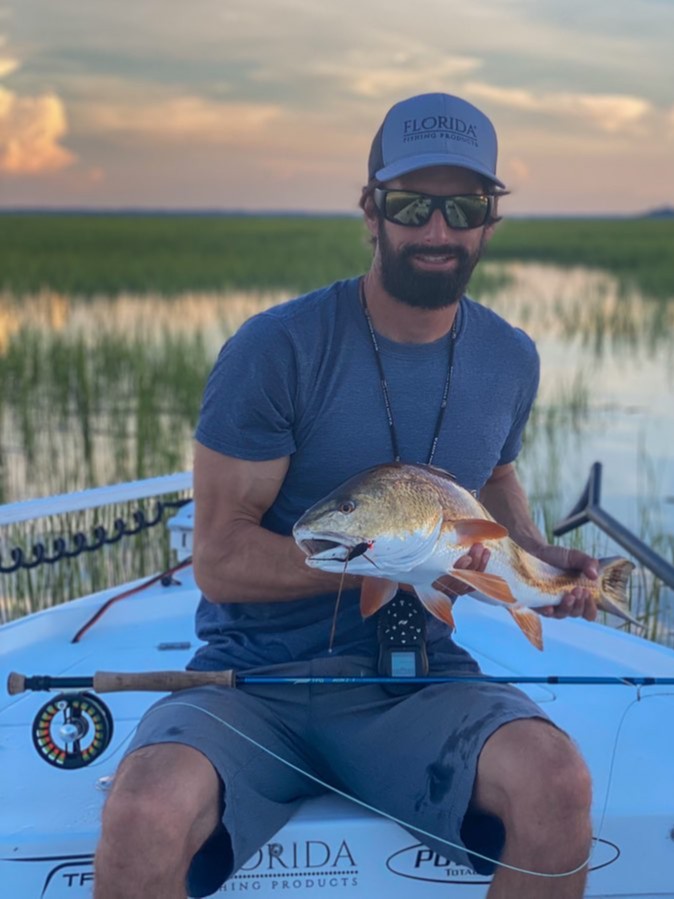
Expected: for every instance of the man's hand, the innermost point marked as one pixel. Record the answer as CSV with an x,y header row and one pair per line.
x,y
475,559
577,603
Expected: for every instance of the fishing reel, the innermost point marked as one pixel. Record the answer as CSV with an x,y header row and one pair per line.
x,y
72,730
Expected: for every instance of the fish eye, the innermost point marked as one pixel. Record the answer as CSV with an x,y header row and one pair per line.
x,y
347,506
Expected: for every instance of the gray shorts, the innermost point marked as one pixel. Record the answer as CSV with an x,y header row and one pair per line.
x,y
358,738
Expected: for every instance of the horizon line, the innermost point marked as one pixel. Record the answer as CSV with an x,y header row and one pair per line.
x,y
663,211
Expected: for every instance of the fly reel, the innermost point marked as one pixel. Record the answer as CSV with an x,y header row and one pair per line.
x,y
72,730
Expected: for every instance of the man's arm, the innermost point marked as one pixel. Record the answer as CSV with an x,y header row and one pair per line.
x,y
235,559
504,497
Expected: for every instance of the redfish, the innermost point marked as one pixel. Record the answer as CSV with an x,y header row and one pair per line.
x,y
408,524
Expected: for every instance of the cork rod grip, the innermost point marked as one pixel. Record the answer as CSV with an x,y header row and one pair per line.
x,y
160,681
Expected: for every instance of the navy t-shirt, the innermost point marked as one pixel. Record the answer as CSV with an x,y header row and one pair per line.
x,y
301,380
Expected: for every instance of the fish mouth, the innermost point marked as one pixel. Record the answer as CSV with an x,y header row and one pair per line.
x,y
329,547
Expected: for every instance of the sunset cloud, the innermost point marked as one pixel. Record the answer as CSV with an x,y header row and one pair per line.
x,y
7,65
606,111
189,117
30,129
410,76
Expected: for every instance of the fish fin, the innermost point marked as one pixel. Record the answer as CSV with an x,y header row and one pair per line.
x,y
489,584
437,603
475,530
614,575
530,625
374,593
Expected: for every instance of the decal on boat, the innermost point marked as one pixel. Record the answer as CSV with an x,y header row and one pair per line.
x,y
293,865
67,878
297,865
418,862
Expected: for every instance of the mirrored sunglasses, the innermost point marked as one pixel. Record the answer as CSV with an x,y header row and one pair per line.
x,y
405,207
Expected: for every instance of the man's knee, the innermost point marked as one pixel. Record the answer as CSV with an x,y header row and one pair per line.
x,y
530,773
167,794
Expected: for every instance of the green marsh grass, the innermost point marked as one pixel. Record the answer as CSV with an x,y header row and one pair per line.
x,y
93,254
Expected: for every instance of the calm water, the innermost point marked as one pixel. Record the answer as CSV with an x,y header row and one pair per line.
x,y
607,387
606,392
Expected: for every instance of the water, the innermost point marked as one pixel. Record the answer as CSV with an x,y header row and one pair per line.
x,y
607,389
109,389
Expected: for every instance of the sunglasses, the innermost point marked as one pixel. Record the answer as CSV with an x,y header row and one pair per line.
x,y
406,207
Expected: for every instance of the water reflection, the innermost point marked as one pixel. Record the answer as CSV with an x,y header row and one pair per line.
x,y
606,388
150,317
93,371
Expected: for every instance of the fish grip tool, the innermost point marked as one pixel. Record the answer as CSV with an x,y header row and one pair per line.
x,y
401,632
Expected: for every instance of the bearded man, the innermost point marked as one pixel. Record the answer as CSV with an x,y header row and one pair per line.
x,y
396,364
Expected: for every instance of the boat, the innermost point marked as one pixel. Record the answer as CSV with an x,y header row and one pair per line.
x,y
59,750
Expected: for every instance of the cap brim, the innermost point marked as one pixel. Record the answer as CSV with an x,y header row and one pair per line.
x,y
424,161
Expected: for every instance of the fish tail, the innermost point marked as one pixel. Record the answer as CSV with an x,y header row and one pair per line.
x,y
614,576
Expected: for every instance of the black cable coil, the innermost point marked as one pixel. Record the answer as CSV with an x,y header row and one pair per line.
x,y
80,543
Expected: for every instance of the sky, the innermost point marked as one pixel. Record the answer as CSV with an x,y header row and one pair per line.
x,y
272,104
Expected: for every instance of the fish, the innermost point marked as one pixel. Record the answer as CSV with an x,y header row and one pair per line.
x,y
400,523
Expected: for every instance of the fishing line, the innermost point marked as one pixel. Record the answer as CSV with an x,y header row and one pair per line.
x,y
333,629
639,698
595,839
372,808
359,550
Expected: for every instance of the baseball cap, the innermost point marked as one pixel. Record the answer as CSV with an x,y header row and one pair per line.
x,y
433,129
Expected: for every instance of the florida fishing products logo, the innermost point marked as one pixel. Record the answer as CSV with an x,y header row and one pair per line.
x,y
297,865
277,867
433,127
418,862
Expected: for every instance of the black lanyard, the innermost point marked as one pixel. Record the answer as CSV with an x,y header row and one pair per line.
x,y
384,384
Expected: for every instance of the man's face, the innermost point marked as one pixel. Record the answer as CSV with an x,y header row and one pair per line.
x,y
429,267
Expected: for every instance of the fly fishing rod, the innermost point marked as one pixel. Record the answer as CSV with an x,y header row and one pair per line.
x,y
75,727
170,681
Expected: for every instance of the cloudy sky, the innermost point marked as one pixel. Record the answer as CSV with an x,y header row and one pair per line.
x,y
272,104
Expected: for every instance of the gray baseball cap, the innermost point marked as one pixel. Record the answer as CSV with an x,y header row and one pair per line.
x,y
433,129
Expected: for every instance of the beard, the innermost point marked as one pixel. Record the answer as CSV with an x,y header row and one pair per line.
x,y
424,289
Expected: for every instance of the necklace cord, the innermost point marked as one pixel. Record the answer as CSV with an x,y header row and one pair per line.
x,y
395,445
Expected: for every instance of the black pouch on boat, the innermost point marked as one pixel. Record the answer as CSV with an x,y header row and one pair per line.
x,y
401,632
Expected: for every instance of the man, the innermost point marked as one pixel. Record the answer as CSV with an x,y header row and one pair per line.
x,y
398,364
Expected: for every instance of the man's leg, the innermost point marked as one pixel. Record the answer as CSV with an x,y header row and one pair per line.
x,y
530,775
164,805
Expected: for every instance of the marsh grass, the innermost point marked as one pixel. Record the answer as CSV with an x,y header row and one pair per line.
x,y
84,412
87,255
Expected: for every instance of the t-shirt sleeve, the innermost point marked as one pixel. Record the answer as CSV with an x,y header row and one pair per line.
x,y
248,408
530,381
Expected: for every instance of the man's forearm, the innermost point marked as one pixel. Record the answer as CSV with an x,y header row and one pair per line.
x,y
252,564
505,499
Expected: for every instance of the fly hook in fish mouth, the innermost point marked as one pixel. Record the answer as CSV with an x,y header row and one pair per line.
x,y
358,550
